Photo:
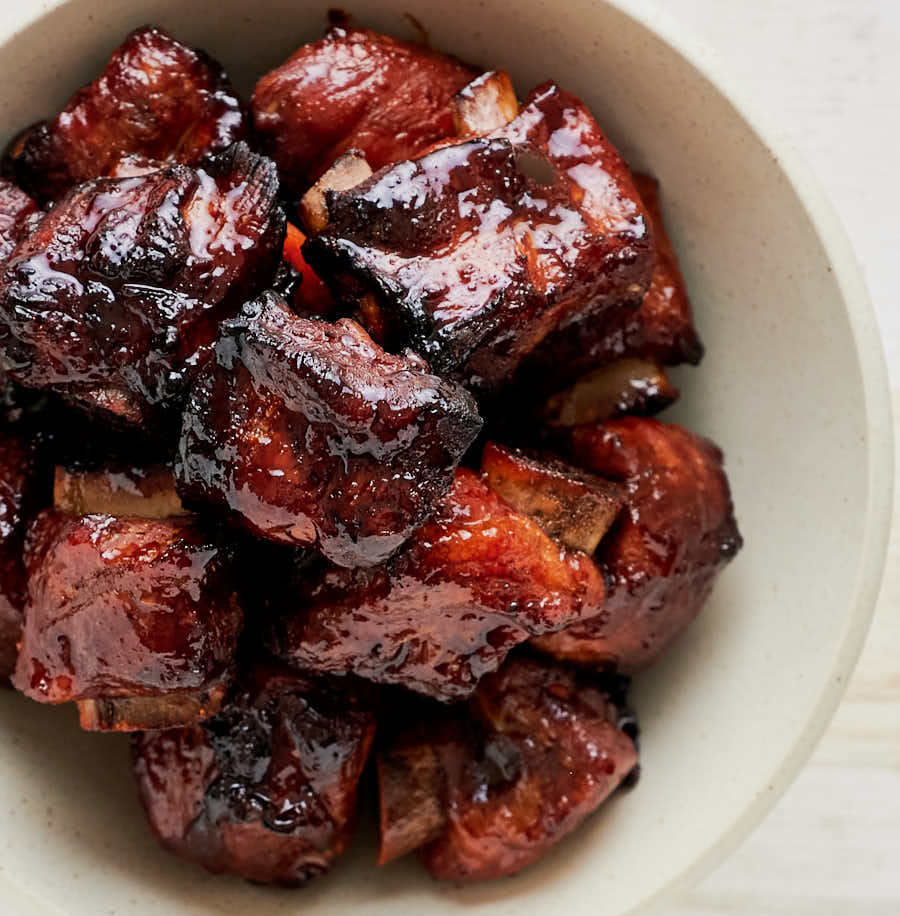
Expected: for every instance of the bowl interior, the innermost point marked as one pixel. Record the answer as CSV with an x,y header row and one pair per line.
x,y
790,387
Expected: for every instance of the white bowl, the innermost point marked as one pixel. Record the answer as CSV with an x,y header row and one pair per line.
x,y
793,386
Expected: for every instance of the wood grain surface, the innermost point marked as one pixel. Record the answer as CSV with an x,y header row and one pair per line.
x,y
828,72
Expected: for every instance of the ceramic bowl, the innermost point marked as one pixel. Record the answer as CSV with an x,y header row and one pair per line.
x,y
793,387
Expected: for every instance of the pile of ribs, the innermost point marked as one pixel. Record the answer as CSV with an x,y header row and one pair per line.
x,y
328,449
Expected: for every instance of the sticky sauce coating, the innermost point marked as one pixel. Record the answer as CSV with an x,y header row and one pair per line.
x,y
476,251
267,789
473,582
310,434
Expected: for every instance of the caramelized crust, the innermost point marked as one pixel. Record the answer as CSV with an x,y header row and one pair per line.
x,y
124,608
354,89
662,329
474,581
156,98
21,486
267,789
476,251
310,434
538,749
114,299
664,554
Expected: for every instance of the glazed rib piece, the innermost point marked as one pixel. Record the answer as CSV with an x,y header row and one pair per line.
x,y
156,98
354,89
472,582
486,791
22,489
476,251
266,789
665,552
661,330
310,434
134,619
114,299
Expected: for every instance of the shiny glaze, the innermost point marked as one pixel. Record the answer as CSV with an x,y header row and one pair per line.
x,y
114,299
121,607
19,214
478,250
666,550
551,754
155,97
472,582
17,210
266,789
310,434
662,329
538,748
354,89
21,486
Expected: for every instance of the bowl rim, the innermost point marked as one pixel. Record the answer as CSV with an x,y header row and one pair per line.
x,y
879,424
868,346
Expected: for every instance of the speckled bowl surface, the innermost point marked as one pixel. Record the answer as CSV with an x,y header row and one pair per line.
x,y
793,387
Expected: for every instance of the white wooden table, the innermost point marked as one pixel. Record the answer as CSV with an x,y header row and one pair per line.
x,y
829,72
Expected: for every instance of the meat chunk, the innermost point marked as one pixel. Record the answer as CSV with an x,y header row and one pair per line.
x,y
309,434
21,490
143,492
476,251
17,214
156,98
474,581
662,329
354,89
574,508
134,619
266,789
626,386
115,297
539,748
664,554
